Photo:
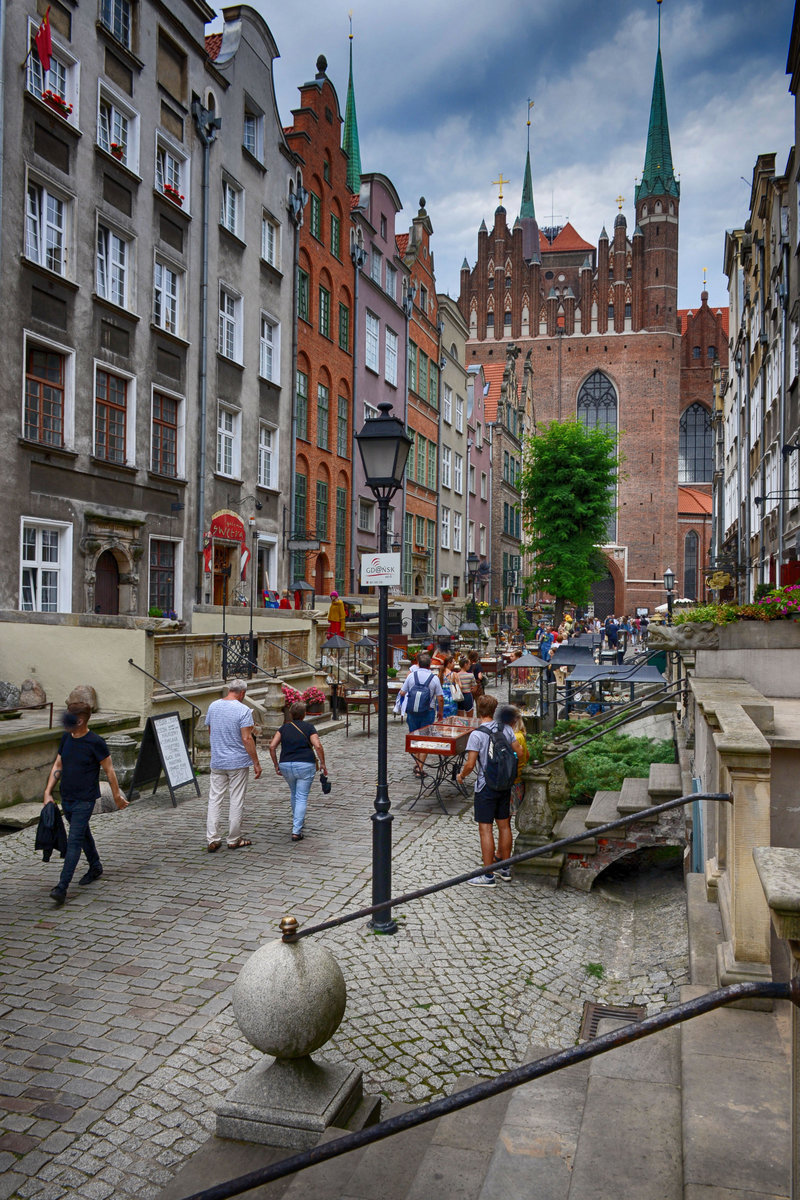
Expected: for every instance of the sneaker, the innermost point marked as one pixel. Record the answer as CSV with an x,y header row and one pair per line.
x,y
483,880
503,874
58,894
90,876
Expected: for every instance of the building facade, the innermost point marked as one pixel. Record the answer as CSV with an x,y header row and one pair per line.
x,y
456,525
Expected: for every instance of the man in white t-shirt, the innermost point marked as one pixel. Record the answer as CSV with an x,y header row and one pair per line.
x,y
230,724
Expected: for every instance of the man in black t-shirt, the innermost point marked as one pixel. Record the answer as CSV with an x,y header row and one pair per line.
x,y
81,754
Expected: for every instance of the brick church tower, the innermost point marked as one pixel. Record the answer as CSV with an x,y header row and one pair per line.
x,y
599,327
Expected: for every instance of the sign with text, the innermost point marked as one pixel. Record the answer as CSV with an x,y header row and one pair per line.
x,y
163,749
380,570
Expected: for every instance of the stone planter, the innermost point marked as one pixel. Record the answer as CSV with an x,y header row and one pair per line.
x,y
314,710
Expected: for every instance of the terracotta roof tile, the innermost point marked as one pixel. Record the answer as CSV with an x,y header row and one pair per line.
x,y
354,199
568,239
213,45
493,373
723,313
402,243
693,501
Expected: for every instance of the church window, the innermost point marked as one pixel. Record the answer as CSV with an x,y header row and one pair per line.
x,y
659,206
490,320
491,282
508,281
548,274
695,351
597,409
611,312
628,309
690,554
712,352
507,320
695,446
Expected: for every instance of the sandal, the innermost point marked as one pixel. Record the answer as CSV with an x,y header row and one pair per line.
x,y
239,843
213,847
418,771
297,837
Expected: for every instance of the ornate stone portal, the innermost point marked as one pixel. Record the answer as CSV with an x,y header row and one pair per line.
x,y
120,535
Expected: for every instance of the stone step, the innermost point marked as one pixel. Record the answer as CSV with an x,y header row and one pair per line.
x,y
536,1146
572,823
629,1143
736,1082
604,809
664,782
634,796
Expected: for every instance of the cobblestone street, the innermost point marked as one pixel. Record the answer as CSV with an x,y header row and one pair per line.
x,y
117,1035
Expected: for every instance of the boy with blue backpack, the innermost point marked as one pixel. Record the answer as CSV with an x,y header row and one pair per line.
x,y
491,753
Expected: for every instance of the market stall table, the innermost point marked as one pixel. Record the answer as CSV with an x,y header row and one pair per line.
x,y
445,743
362,702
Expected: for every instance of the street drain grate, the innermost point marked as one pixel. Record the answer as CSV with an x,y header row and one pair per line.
x,y
594,1013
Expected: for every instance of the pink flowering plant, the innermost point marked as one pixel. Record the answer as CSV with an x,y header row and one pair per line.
x,y
313,695
782,601
291,695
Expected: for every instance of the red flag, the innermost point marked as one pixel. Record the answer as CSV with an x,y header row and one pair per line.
x,y
44,42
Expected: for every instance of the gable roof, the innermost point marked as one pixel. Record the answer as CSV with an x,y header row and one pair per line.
x,y
401,240
568,238
213,45
722,313
493,374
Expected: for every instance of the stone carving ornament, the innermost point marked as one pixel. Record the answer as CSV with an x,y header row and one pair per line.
x,y
692,635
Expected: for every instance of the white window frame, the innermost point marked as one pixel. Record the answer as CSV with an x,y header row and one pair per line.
x,y
446,465
447,403
391,343
372,342
64,530
445,535
177,583
459,414
231,212
484,486
391,281
39,225
270,241
478,435
457,531
173,294
458,473
130,412
230,312
370,412
165,172
180,447
470,537
269,481
124,7
376,266
62,78
110,270
269,348
482,540
366,515
33,341
253,119
118,108
229,434
471,479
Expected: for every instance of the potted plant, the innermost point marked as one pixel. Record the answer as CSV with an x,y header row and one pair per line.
x,y
290,696
56,102
118,150
314,699
173,194
391,672
447,594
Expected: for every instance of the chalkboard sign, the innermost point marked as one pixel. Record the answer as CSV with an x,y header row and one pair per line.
x,y
164,749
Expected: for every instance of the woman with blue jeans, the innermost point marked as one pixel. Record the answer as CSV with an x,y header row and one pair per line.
x,y
300,749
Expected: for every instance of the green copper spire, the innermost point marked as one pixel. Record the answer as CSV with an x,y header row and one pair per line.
x,y
658,177
526,208
350,134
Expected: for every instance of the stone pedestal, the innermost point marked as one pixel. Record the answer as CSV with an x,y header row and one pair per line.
x,y
124,751
535,819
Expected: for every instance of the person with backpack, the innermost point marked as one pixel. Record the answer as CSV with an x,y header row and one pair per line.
x,y
491,754
420,697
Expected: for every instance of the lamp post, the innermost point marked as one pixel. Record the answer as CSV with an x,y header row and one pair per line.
x,y
383,444
669,586
472,571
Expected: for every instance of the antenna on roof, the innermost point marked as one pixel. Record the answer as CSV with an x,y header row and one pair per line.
x,y
350,18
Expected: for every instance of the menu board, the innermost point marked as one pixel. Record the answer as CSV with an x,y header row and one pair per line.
x,y
164,749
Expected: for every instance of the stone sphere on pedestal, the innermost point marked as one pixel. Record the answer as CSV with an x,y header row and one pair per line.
x,y
289,998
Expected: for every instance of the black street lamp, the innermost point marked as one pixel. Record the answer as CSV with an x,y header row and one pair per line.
x,y
669,586
384,446
473,563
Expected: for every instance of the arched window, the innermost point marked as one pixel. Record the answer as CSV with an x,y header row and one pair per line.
x,y
597,409
690,551
597,403
696,448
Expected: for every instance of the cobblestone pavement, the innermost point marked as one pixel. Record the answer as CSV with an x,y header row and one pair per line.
x,y
116,1034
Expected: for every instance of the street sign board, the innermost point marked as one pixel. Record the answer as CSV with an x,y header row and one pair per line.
x,y
380,570
303,544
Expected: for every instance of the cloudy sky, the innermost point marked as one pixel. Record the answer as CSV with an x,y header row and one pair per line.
x,y
442,91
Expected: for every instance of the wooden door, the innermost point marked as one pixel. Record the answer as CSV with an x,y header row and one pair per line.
x,y
106,588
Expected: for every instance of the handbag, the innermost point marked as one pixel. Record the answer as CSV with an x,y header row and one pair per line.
x,y
455,689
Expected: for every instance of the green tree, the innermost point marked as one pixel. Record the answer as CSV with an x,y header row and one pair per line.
x,y
567,502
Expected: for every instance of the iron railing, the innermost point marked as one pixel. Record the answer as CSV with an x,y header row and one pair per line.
x,y
196,710
502,1083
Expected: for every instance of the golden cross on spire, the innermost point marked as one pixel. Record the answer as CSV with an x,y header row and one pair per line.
x,y
499,183
704,279
350,16
620,202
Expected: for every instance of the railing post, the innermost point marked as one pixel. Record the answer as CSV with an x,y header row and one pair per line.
x,y
779,871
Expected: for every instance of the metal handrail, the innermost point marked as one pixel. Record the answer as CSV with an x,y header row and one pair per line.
x,y
631,711
685,1011
292,933
638,661
194,707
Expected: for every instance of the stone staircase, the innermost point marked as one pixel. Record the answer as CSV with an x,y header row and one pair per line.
x,y
586,859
